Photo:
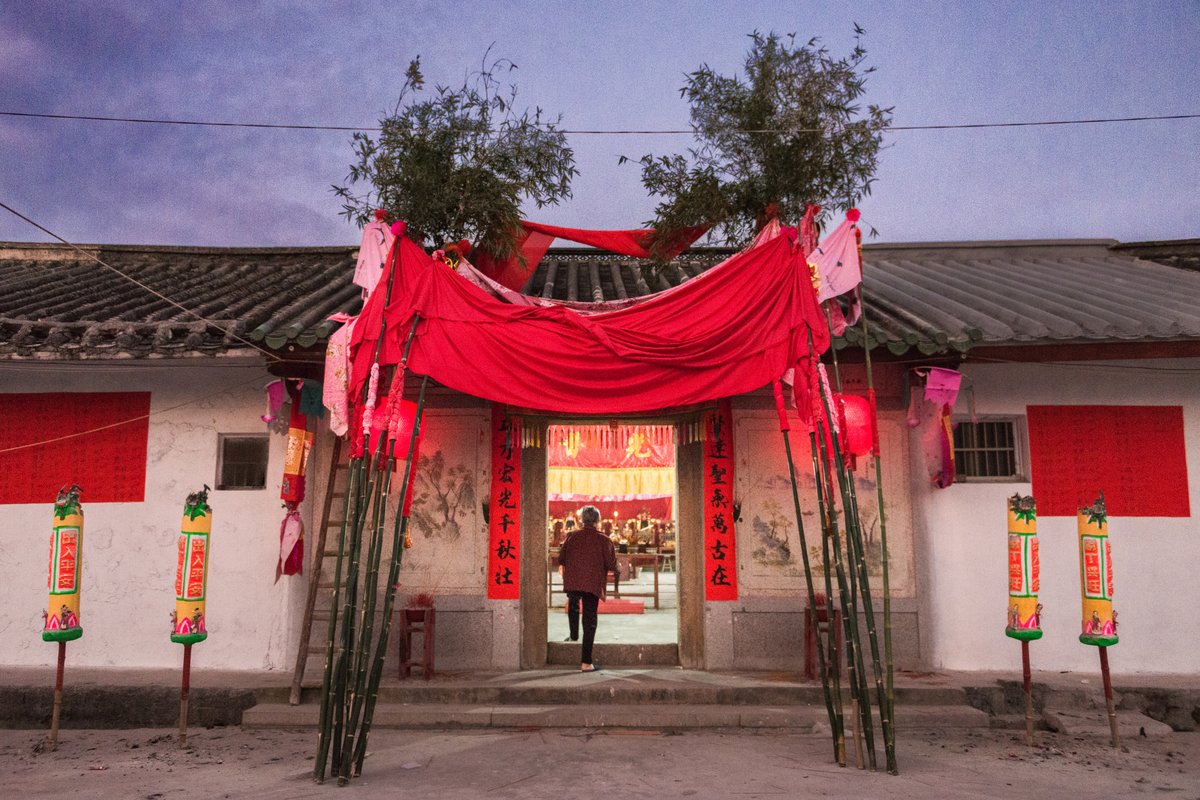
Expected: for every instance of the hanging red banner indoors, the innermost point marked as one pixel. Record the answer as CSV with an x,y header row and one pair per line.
x,y
655,508
107,457
720,540
504,508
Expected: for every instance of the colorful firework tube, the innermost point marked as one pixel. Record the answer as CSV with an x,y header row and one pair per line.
x,y
66,567
1096,576
188,624
1024,610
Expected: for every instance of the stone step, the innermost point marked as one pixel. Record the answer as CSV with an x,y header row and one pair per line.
x,y
615,655
805,718
568,689
461,715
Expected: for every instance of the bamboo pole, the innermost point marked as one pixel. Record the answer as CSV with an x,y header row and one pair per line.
x,y
889,737
184,687
832,627
56,712
367,613
357,697
856,671
808,581
333,681
389,601
855,550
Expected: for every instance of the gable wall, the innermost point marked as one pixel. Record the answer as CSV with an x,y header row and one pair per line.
x,y
962,536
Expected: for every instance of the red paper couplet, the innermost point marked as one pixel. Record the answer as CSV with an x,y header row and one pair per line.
x,y
504,508
1136,454
720,541
109,462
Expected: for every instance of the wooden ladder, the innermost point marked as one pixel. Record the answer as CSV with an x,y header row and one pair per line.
x,y
320,579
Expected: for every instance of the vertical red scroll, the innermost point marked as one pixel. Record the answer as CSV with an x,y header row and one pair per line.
x,y
720,541
504,508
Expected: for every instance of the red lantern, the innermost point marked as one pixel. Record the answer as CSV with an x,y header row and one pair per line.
x,y
856,422
401,428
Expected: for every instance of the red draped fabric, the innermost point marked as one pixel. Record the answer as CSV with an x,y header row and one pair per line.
x,y
731,330
536,239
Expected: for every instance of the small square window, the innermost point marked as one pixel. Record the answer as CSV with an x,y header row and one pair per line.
x,y
242,461
989,450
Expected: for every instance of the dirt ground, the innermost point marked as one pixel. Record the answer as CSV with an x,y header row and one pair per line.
x,y
235,763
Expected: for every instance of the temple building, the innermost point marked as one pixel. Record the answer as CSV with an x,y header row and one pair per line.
x,y
1076,365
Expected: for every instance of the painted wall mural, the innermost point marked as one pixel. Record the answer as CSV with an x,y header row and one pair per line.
x,y
770,557
449,551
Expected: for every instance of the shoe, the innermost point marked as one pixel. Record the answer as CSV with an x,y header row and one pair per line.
x,y
571,639
595,668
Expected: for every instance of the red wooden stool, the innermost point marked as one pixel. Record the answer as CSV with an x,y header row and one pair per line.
x,y
415,621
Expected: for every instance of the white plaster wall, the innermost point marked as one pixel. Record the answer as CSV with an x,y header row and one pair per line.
x,y
129,553
765,494
962,535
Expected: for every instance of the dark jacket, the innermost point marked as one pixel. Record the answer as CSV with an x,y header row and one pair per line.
x,y
586,558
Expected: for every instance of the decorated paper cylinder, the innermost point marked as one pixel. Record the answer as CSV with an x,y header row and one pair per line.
x,y
1096,577
188,625
1024,610
66,566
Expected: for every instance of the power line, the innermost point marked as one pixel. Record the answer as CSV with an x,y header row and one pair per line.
x,y
270,356
598,131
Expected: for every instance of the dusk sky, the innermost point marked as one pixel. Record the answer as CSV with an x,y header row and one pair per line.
x,y
601,65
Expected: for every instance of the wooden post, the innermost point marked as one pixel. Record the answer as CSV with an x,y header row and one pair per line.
x,y
1108,695
52,741
1028,693
183,694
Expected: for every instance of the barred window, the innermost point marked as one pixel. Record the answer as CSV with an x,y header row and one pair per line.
x,y
989,449
242,461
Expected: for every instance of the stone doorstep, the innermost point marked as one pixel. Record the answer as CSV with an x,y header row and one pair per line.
x,y
1094,723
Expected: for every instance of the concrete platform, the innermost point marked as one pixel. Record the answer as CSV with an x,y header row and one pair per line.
x,y
560,697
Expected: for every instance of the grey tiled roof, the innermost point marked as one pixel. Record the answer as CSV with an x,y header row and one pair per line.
x,y
939,297
935,297
57,302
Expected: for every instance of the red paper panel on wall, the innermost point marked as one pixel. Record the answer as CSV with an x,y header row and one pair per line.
x,y
109,464
1135,454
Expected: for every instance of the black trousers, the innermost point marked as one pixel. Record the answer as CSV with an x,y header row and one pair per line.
x,y
590,603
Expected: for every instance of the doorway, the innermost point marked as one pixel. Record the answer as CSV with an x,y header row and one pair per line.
x,y
628,472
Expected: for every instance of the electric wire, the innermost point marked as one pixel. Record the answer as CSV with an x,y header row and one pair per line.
x,y
597,131
271,357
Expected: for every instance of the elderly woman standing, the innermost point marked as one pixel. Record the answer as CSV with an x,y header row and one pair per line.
x,y
586,559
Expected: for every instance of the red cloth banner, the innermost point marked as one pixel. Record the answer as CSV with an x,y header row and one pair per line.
x,y
504,509
536,239
109,462
720,540
612,447
1134,454
731,330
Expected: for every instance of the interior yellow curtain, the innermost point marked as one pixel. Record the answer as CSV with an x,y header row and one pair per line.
x,y
611,482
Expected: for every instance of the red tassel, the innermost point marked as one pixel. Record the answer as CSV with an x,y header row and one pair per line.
x,y
780,406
